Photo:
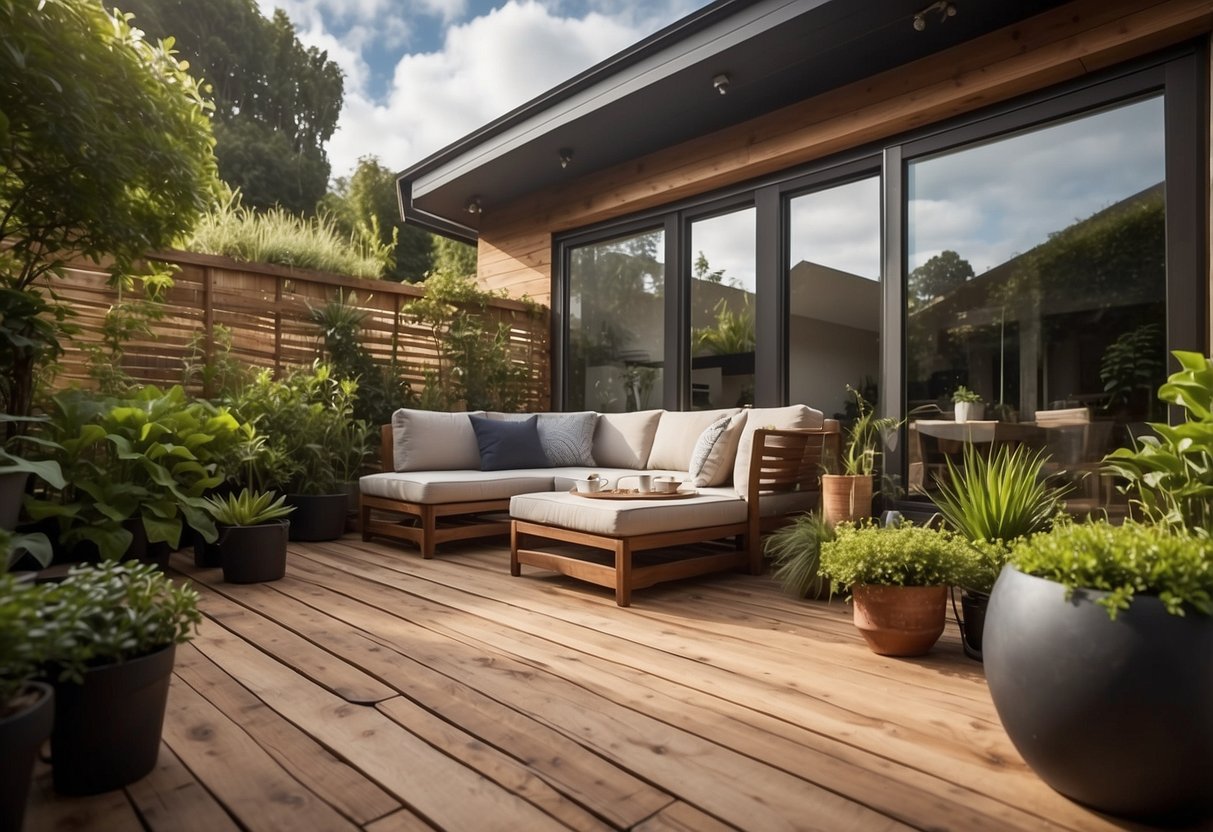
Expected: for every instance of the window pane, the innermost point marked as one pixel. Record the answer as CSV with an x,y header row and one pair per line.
x,y
616,324
722,310
834,296
1037,278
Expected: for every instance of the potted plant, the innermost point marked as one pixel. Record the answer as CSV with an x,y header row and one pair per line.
x,y
1099,657
120,624
968,404
795,551
252,535
992,500
848,496
26,705
898,578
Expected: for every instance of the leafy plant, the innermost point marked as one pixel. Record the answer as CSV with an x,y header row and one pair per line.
x,y
113,612
212,370
904,555
25,638
1123,561
795,551
964,394
1170,474
864,438
732,333
248,508
995,499
1131,364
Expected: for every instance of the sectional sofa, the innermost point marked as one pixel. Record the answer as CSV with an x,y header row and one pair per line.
x,y
457,476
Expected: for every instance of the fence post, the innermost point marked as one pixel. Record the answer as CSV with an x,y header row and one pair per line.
x,y
208,313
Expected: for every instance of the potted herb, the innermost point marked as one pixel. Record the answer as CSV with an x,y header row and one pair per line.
x,y
26,705
1099,657
848,496
898,578
120,624
252,535
795,551
968,404
992,500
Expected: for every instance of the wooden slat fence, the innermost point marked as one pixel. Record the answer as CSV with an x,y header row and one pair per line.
x,y
266,309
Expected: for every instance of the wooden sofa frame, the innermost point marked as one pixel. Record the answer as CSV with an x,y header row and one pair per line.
x,y
782,461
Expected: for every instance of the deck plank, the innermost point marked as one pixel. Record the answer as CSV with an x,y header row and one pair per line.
x,y
48,811
171,799
681,817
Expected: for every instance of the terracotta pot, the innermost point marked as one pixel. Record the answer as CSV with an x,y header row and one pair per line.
x,y
900,620
845,497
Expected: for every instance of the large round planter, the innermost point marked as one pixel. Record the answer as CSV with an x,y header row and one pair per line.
x,y
107,730
12,489
1117,715
317,516
21,735
845,497
900,620
253,554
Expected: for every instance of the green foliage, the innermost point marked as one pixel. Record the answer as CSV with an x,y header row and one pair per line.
x,y
475,369
36,544
25,638
995,499
1131,364
278,236
903,555
451,257
938,276
105,152
113,612
864,438
218,374
1171,474
795,551
732,333
964,394
1123,561
276,102
128,319
248,508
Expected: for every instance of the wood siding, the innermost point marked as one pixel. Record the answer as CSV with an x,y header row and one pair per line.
x,y
1074,40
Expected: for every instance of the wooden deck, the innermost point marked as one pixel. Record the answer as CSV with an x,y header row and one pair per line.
x,y
373,690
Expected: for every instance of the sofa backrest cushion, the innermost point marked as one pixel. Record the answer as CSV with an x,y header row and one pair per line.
x,y
624,440
677,432
508,445
427,440
711,461
781,418
567,438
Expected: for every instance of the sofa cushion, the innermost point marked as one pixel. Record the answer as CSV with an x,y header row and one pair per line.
x,y
427,440
508,445
567,438
624,440
627,518
711,461
781,418
676,434
430,487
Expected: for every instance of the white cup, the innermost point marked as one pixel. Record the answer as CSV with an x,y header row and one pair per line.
x,y
644,483
666,485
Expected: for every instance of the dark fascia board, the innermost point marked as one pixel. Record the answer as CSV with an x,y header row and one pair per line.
x,y
697,36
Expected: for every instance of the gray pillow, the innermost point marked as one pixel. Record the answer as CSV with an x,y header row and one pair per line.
x,y
508,445
567,438
707,442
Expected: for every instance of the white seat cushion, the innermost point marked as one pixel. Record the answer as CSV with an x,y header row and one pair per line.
x,y
676,434
429,487
627,518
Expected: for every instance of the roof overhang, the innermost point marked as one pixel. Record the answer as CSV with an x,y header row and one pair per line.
x,y
661,91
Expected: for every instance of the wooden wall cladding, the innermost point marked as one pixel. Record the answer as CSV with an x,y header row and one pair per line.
x,y
1059,45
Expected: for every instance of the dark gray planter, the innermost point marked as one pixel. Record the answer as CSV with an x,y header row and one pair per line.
x,y
107,730
12,488
21,735
1117,715
317,516
972,621
253,554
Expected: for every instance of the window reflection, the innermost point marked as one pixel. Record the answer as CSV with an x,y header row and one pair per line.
x,y
722,310
616,324
1037,279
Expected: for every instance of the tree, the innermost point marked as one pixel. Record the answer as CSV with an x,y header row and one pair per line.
x,y
105,152
939,275
276,103
453,257
367,199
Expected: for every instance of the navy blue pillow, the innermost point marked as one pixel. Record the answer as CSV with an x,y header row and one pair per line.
x,y
506,445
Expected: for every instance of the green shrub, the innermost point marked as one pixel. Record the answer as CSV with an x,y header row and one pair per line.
x,y
25,638
1123,561
904,555
795,551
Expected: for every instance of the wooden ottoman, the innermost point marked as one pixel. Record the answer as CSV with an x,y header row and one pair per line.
x,y
622,528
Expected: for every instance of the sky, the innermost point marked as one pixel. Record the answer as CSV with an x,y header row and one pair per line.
x,y
420,74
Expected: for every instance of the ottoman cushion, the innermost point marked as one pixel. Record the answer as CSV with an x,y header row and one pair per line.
x,y
627,518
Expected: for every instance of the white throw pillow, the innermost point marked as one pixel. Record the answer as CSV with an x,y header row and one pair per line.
x,y
780,418
624,440
711,462
676,435
427,440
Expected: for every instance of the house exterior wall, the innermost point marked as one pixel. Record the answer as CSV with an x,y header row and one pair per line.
x,y
1079,38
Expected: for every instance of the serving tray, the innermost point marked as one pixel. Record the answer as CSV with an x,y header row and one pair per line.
x,y
632,495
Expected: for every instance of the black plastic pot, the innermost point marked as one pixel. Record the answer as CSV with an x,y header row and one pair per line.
x,y
254,554
317,516
21,735
107,730
1118,714
206,555
144,551
971,619
12,488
